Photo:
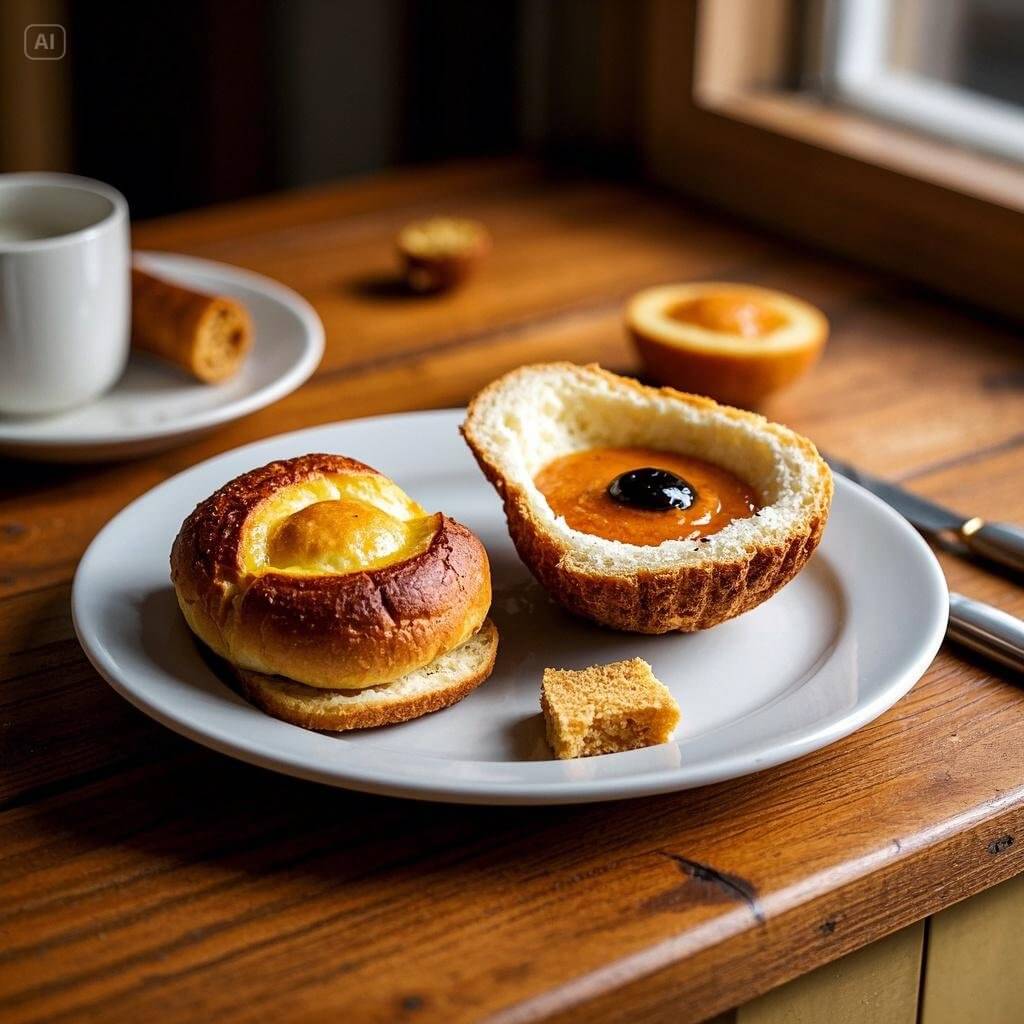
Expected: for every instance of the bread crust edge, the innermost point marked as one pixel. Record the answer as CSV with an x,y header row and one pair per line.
x,y
262,692
332,631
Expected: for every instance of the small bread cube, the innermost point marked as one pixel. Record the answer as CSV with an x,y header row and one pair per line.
x,y
606,708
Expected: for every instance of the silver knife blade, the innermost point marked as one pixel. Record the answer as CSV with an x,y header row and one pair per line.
x,y
924,514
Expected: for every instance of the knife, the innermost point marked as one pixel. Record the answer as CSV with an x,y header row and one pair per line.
x,y
998,542
986,630
979,626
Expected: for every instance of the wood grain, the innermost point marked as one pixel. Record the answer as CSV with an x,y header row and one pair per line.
x,y
557,249
142,877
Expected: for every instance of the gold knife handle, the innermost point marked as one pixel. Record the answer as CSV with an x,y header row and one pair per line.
x,y
998,542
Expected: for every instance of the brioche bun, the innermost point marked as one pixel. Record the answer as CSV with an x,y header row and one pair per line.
x,y
322,570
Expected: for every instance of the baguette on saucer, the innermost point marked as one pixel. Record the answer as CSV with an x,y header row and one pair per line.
x,y
207,336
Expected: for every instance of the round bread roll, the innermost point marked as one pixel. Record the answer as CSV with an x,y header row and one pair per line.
x,y
322,570
441,252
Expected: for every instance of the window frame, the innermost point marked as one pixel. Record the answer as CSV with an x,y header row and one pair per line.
x,y
861,75
722,121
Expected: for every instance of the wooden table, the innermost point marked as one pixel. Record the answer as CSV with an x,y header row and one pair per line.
x,y
143,878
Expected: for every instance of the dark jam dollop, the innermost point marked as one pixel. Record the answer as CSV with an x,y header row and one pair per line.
x,y
655,489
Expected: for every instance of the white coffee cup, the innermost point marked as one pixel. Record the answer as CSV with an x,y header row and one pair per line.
x,y
65,291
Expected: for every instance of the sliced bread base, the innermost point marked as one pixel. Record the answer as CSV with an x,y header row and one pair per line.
x,y
446,680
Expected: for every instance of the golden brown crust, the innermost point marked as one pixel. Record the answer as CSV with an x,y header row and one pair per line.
x,y
437,273
208,545
606,708
312,708
332,630
207,336
686,597
731,378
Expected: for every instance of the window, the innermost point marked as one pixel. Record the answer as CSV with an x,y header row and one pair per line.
x,y
953,68
890,131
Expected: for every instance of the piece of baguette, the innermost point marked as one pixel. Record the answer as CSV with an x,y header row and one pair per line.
x,y
524,420
446,680
208,336
606,708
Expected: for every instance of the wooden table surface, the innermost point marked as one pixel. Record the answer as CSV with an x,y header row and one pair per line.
x,y
145,878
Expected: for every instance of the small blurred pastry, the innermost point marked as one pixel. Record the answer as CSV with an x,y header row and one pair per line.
x,y
736,343
441,252
208,336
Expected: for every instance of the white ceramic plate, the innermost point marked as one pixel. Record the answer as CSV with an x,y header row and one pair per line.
x,y
155,406
829,653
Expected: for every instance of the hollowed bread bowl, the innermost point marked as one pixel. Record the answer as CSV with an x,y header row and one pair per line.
x,y
524,420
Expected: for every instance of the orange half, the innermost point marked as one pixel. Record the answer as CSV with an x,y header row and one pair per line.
x,y
735,342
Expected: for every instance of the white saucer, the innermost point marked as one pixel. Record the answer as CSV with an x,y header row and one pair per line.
x,y
829,653
155,406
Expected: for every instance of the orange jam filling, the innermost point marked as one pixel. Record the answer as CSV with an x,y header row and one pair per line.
x,y
576,488
728,314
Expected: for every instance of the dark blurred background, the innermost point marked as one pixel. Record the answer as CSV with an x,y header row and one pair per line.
x,y
230,99
187,103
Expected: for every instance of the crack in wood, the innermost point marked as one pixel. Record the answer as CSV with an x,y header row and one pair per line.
x,y
712,880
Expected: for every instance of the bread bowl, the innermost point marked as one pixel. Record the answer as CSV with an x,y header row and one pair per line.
x,y
737,343
318,573
523,422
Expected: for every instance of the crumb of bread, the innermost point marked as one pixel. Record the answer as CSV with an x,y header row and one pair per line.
x,y
606,708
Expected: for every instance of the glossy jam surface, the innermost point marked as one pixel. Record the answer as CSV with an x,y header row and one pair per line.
x,y
576,487
729,314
